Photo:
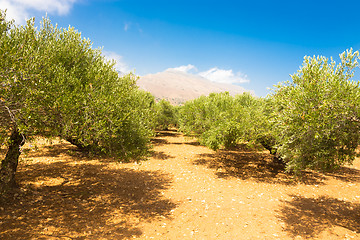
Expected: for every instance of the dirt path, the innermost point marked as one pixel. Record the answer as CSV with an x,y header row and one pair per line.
x,y
184,191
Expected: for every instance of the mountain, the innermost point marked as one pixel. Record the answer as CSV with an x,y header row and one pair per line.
x,y
179,87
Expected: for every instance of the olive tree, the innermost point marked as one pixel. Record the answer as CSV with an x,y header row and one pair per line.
x,y
165,115
53,83
221,119
317,121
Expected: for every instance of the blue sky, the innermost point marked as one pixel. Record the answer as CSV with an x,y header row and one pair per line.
x,y
254,44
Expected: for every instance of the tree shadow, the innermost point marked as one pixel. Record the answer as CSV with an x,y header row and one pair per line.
x,y
168,133
83,200
192,143
308,217
346,174
159,141
55,150
160,155
245,163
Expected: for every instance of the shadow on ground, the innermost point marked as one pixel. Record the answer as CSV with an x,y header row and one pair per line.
x,y
159,141
346,174
168,133
54,150
308,217
245,163
82,200
192,143
160,155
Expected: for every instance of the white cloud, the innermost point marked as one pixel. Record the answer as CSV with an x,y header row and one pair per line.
x,y
224,76
19,10
184,68
214,74
120,65
13,12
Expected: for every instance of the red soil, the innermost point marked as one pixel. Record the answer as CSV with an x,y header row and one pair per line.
x,y
184,191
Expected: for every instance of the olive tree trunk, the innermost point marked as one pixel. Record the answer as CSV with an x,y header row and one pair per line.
x,y
10,163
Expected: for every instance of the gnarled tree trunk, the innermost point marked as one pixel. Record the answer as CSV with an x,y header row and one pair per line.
x,y
9,164
268,142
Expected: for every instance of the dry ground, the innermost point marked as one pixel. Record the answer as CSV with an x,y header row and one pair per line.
x,y
184,191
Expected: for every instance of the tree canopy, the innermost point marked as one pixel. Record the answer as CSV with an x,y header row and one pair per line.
x,y
221,119
317,118
311,122
53,83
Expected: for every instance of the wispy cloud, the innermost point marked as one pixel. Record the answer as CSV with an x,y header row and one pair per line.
x,y
224,76
20,10
184,68
120,65
214,74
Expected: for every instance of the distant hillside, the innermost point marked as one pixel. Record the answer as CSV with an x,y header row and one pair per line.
x,y
179,87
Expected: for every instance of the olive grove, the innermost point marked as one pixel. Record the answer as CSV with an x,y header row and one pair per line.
x,y
310,122
53,83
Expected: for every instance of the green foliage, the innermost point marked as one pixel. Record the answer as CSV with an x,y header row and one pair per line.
x,y
312,122
165,115
264,124
317,122
220,119
53,83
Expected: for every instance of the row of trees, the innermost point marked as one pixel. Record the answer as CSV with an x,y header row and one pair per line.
x,y
222,120
310,122
54,84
